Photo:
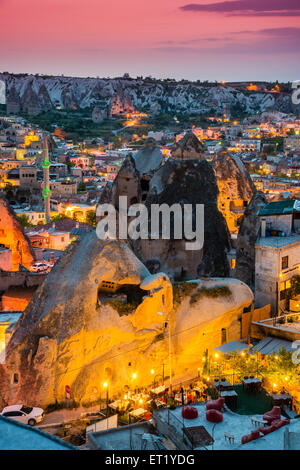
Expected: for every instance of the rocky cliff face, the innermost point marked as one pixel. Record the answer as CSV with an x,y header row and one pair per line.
x,y
186,178
153,95
247,236
13,237
187,182
235,188
74,333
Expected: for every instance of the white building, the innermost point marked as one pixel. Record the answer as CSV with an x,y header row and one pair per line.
x,y
246,145
277,254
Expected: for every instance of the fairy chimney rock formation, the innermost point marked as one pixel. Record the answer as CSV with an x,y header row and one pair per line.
x,y
235,188
247,236
13,237
189,147
95,319
185,180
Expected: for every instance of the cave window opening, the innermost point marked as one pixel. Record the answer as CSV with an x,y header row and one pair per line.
x,y
16,378
128,294
223,335
145,184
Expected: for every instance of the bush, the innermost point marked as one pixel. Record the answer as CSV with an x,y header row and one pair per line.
x,y
182,290
213,292
121,307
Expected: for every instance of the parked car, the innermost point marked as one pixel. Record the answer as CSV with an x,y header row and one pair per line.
x,y
24,414
40,267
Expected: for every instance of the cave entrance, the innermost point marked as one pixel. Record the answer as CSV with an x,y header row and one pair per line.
x,y
128,293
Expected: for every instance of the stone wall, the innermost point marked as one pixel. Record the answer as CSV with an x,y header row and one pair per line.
x,y
20,278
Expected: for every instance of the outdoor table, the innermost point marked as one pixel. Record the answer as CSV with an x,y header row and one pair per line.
x,y
160,403
179,398
138,413
230,396
198,436
281,399
115,404
252,383
222,385
158,390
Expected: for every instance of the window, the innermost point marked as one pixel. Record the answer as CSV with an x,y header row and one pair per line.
x,y
13,413
284,262
223,335
284,287
16,378
26,409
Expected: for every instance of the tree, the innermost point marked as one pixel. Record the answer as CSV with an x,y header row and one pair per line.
x,y
58,217
81,187
24,221
91,218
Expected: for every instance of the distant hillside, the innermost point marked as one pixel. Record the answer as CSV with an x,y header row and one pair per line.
x,y
36,93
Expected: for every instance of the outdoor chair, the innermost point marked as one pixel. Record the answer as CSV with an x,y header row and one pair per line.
x,y
274,413
250,437
189,412
216,404
266,430
214,416
229,437
278,423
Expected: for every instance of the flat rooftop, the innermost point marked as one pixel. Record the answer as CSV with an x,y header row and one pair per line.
x,y
123,438
278,242
233,423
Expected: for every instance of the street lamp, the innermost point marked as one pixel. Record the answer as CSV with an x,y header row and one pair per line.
x,y
170,346
105,385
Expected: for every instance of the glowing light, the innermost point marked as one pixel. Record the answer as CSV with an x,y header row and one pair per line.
x,y
134,375
203,358
252,87
125,397
216,355
105,385
152,371
140,401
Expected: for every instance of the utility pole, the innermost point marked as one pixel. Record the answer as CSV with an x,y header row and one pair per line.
x,y
168,318
46,184
170,353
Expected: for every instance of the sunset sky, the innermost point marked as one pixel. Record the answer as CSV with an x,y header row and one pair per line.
x,y
206,40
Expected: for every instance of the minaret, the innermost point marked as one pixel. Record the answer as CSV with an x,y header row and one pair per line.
x,y
46,185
